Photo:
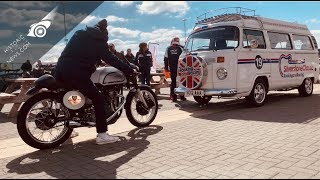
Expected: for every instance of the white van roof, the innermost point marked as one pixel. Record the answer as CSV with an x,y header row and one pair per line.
x,y
254,22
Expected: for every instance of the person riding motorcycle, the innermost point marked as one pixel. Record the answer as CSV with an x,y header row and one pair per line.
x,y
77,63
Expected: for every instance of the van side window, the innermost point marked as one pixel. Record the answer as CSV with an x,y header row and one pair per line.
x,y
302,42
253,39
279,40
315,42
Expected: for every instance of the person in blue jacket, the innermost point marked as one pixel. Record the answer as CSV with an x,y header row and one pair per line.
x,y
78,61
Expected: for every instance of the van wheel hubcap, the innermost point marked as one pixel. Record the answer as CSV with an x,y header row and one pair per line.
x,y
259,93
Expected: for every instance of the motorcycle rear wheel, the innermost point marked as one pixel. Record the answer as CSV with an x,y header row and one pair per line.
x,y
41,122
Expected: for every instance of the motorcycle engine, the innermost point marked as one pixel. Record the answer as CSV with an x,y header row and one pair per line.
x,y
112,94
81,108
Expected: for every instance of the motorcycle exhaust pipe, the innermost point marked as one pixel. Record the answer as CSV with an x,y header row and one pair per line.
x,y
74,124
114,114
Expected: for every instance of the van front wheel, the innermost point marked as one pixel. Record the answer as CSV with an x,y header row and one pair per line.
x,y
258,93
306,88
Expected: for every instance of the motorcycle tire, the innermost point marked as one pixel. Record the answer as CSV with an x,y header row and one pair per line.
x,y
128,104
22,125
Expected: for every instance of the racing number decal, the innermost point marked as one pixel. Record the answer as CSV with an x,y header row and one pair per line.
x,y
259,62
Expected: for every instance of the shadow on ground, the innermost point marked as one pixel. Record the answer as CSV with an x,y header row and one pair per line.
x,y
91,160
279,107
4,118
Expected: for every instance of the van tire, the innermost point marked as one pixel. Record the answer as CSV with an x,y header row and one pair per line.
x,y
202,100
306,88
257,99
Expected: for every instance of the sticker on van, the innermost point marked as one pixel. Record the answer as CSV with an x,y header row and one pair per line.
x,y
297,70
191,70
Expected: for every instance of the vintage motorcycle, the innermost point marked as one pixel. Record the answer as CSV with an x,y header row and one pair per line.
x,y
48,117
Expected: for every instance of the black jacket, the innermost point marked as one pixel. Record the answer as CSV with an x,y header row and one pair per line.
x,y
26,67
144,61
171,56
130,58
84,51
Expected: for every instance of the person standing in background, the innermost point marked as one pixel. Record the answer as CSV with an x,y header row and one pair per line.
x,y
171,58
26,69
119,55
144,61
129,56
39,70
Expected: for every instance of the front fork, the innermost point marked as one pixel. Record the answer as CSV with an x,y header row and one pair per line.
x,y
140,96
138,93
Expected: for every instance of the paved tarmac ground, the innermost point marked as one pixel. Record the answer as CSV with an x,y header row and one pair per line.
x,y
225,139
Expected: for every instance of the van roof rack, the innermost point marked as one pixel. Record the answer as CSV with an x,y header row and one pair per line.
x,y
237,14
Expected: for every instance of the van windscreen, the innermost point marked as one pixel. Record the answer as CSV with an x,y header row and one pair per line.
x,y
217,38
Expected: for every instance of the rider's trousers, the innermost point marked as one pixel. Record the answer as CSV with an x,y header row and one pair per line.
x,y
87,87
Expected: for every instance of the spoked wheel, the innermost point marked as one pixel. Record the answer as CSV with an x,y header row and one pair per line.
x,y
38,124
137,113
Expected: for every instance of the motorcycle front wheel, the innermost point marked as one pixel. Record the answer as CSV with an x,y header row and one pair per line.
x,y
137,113
37,125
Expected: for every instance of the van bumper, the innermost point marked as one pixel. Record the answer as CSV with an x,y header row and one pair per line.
x,y
211,92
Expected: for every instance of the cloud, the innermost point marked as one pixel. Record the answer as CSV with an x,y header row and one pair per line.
x,y
6,33
20,18
123,3
159,7
54,53
71,20
15,17
116,19
124,45
89,19
316,34
313,21
123,32
26,4
161,35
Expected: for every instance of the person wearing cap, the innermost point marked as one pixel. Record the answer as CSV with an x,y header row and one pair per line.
x,y
171,58
78,60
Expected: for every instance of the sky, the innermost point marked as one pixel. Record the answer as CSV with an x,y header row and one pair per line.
x,y
133,22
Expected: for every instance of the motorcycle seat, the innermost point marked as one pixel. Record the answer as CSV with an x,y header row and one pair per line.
x,y
49,82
